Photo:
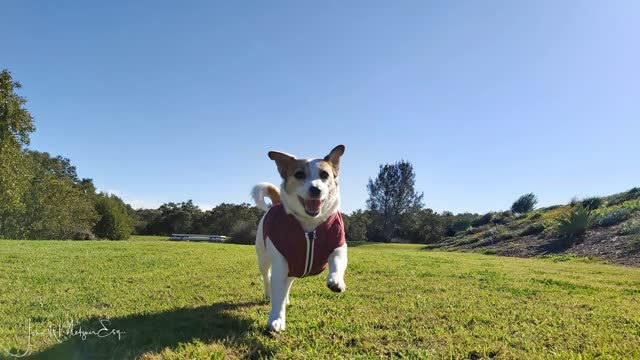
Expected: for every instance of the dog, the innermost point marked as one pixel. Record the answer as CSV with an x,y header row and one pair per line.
x,y
302,231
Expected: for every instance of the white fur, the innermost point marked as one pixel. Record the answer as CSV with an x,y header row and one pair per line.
x,y
258,193
330,196
272,263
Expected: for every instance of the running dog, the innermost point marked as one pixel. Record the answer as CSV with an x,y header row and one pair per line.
x,y
302,231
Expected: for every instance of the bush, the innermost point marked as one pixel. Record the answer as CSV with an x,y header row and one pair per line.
x,y
536,216
625,196
533,229
482,220
632,205
630,228
458,225
355,225
495,235
613,217
114,221
243,232
502,218
503,236
575,223
83,235
592,203
524,204
506,214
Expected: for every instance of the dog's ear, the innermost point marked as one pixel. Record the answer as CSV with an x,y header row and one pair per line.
x,y
283,161
334,158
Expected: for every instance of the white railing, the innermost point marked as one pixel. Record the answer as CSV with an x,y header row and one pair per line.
x,y
198,237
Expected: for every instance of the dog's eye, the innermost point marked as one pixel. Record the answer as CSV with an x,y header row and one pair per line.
x,y
299,175
324,175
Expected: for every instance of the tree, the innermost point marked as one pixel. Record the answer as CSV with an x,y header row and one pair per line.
x,y
221,219
430,226
114,222
55,208
143,219
175,218
243,232
41,196
356,225
392,196
457,223
524,204
16,124
188,218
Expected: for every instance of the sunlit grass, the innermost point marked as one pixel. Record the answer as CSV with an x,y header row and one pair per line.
x,y
204,300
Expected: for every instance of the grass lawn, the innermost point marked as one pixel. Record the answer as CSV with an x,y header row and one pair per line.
x,y
203,300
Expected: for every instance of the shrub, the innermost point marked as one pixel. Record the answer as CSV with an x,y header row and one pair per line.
x,y
355,225
482,220
476,230
489,233
632,205
535,216
243,232
83,235
524,204
114,221
592,203
575,223
503,236
613,217
630,228
550,208
625,196
506,214
458,225
533,229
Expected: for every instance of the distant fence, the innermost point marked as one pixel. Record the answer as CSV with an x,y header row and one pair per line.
x,y
198,237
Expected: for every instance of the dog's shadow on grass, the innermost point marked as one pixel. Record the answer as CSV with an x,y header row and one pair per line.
x,y
155,332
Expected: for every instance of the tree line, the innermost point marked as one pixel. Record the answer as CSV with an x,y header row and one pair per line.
x,y
42,197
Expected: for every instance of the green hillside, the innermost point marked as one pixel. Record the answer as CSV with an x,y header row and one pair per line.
x,y
606,228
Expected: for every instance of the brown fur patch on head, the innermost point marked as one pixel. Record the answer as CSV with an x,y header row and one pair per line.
x,y
328,167
333,159
287,164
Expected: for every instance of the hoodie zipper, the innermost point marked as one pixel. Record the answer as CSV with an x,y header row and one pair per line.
x,y
311,236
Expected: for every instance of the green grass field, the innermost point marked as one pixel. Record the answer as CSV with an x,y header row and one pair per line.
x,y
200,300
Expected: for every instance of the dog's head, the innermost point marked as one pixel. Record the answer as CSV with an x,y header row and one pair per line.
x,y
310,186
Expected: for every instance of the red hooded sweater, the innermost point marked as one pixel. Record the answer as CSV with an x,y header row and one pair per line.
x,y
306,253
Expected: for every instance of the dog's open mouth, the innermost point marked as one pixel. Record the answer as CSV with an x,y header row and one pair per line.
x,y
311,206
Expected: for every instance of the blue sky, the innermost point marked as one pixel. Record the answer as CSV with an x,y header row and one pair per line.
x,y
167,101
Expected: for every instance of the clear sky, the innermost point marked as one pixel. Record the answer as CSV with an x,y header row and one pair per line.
x,y
167,101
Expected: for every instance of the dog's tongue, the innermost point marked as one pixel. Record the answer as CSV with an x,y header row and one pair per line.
x,y
313,205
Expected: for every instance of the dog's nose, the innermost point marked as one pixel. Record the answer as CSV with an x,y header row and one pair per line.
x,y
314,191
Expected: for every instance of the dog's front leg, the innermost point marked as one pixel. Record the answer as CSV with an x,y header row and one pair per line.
x,y
280,285
337,267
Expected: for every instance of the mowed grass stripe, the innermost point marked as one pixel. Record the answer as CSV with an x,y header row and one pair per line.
x,y
203,300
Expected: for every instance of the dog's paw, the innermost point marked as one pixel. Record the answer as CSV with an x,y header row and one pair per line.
x,y
336,284
276,325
